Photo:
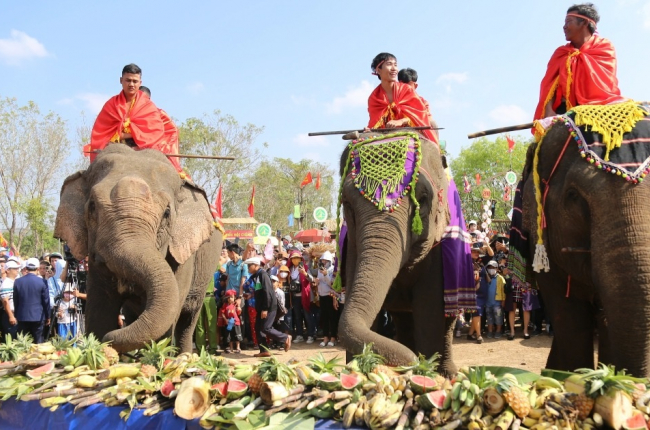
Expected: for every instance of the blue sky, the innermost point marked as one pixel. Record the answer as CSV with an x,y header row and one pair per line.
x,y
295,67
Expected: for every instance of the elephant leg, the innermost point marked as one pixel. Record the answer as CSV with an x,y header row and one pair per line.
x,y
103,302
573,324
405,329
434,332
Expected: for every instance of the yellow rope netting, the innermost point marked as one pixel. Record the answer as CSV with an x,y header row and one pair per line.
x,y
612,121
540,261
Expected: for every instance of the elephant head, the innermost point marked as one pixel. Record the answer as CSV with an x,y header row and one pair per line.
x,y
138,222
597,237
382,244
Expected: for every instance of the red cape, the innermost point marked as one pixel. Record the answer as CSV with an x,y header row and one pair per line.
x,y
406,104
171,139
146,125
592,80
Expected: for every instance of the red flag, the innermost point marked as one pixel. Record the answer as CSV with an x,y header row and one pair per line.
x,y
478,179
511,143
251,206
318,182
307,180
468,186
217,207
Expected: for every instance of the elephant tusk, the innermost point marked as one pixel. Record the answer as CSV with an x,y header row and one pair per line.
x,y
576,249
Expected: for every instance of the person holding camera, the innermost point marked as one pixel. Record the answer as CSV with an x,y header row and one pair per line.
x,y
300,287
54,282
329,316
66,317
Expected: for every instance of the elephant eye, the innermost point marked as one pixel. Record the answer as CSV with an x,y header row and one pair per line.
x,y
167,213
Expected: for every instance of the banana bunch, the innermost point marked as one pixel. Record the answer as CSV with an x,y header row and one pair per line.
x,y
557,410
463,394
380,411
242,372
73,357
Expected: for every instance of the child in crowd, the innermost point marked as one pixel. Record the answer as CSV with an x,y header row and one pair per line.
x,y
66,315
249,296
492,285
229,320
280,323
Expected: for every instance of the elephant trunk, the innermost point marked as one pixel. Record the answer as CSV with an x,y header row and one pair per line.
x,y
621,273
145,267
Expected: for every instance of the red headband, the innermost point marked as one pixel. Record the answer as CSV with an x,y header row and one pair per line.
x,y
586,18
378,66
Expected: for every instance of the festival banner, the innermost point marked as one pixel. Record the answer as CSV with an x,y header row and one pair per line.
x,y
308,180
251,206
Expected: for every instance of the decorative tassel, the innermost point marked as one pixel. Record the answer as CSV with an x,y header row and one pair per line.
x,y
416,226
540,262
337,285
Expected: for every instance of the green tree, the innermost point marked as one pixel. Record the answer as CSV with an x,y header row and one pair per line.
x,y
277,190
39,216
221,135
491,160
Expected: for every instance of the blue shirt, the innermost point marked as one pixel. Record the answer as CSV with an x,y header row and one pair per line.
x,y
492,293
235,271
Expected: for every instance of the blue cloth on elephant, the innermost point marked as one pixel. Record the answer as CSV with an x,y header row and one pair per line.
x,y
457,266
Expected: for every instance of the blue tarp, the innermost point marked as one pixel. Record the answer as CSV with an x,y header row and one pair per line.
x,y
17,415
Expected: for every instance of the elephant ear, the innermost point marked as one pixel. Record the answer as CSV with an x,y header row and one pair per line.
x,y
70,224
193,224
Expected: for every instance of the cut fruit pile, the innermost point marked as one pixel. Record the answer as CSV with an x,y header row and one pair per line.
x,y
364,393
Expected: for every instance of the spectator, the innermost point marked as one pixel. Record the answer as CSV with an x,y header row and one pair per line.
x,y
236,270
9,322
471,227
327,296
206,326
475,325
54,283
491,296
286,243
31,302
300,296
285,285
249,296
45,270
230,315
280,321
66,318
266,304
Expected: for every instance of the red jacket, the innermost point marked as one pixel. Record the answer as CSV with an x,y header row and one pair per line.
x,y
305,285
226,312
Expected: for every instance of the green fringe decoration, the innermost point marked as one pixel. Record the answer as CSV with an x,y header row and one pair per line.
x,y
416,225
337,285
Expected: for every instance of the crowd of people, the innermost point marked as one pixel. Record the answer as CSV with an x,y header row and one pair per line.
x,y
264,304
38,297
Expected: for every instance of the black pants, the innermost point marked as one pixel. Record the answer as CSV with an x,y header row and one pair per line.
x,y
12,330
328,316
35,328
265,331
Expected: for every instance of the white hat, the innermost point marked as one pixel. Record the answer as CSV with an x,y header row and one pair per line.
x,y
493,263
3,249
12,264
274,278
254,260
32,263
472,222
326,256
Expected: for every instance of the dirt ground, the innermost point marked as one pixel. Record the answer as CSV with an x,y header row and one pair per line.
x,y
528,354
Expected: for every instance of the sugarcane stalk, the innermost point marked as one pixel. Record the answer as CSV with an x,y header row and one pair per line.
x,y
47,383
55,393
51,401
340,405
12,371
91,401
159,407
273,410
418,418
270,392
119,372
340,395
241,415
516,424
317,402
75,400
302,405
287,400
38,363
404,418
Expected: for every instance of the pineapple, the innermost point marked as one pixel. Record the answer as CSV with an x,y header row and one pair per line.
x,y
271,370
322,365
61,343
368,361
514,395
424,367
217,370
583,402
9,350
112,356
24,342
148,370
156,353
92,351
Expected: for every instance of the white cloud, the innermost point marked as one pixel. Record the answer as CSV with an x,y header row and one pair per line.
x,y
196,88
452,77
311,141
509,115
94,102
313,156
354,97
19,46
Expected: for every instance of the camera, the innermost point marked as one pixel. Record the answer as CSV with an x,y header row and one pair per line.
x,y
321,266
477,245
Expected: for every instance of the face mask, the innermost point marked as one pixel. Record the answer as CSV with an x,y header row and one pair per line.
x,y
283,262
283,275
492,272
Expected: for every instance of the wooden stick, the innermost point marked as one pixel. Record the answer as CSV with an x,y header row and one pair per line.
x,y
376,130
500,130
576,250
206,157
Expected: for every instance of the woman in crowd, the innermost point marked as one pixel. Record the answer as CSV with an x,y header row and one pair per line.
x,y
300,296
329,316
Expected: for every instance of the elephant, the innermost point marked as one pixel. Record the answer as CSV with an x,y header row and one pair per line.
x,y
597,239
385,265
151,243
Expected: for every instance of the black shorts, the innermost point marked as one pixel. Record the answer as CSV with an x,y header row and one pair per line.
x,y
232,335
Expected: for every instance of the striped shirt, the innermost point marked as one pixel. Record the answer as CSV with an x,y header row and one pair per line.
x,y
7,291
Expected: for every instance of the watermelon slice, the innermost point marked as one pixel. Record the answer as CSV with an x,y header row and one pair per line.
x,y
167,388
423,384
235,389
221,389
350,381
329,382
434,399
636,422
39,371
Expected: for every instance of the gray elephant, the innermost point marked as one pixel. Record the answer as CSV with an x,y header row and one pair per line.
x,y
151,244
386,265
597,240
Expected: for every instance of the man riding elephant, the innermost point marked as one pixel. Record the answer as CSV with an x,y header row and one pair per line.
x,y
583,71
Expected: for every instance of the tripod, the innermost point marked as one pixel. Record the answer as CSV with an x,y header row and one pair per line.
x,y
77,317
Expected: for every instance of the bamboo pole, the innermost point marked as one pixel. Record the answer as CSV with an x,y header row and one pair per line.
x,y
500,130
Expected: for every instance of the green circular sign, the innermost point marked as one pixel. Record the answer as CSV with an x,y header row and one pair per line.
x,y
511,178
320,214
263,230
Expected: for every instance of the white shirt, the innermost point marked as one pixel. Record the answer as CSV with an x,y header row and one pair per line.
x,y
7,291
325,281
